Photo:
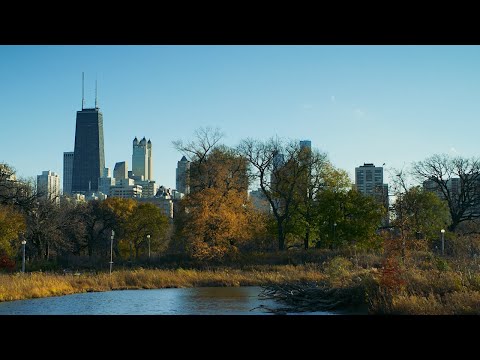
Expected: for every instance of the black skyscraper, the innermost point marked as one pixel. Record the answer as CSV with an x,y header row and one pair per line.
x,y
89,156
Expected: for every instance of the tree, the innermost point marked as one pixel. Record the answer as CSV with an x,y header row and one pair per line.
x,y
146,219
322,176
420,212
289,177
455,179
347,218
12,223
217,224
17,192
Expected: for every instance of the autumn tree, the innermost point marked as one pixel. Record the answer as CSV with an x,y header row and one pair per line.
x,y
216,216
217,224
456,180
12,224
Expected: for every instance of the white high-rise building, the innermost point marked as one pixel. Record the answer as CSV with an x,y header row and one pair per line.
x,y
48,186
142,159
182,181
105,182
67,172
126,188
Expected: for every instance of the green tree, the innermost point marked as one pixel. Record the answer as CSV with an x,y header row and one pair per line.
x,y
420,212
456,180
146,219
347,218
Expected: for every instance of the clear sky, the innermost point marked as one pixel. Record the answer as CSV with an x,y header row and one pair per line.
x,y
380,104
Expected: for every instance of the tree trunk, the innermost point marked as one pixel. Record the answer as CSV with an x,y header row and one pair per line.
x,y
281,237
307,238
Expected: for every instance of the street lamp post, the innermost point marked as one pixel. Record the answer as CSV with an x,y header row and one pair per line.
x,y
148,238
23,257
334,228
111,251
443,241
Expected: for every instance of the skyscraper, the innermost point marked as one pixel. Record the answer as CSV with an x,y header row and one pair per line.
x,y
120,170
67,172
48,186
305,144
182,183
142,159
89,155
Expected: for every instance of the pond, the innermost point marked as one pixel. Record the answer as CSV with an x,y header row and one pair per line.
x,y
190,301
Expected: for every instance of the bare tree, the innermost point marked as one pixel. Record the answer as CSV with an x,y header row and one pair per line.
x,y
280,170
455,179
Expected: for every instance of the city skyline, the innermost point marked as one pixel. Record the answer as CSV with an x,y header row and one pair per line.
x,y
360,104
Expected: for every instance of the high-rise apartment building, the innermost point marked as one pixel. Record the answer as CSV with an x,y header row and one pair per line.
x,y
67,172
369,181
142,159
182,176
89,155
48,186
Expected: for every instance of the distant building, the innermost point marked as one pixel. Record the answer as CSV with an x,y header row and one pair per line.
x,y
305,144
259,201
106,182
369,181
149,188
89,156
163,200
67,172
126,189
142,159
120,170
182,176
48,186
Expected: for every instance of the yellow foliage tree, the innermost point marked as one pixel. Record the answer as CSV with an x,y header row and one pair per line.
x,y
12,224
217,223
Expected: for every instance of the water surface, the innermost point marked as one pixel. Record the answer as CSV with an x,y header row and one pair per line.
x,y
191,301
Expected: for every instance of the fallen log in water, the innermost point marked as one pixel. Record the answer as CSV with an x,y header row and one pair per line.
x,y
311,297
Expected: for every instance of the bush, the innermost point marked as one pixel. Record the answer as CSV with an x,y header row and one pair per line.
x,y
6,264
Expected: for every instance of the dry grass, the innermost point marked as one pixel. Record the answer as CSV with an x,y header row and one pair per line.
x,y
35,285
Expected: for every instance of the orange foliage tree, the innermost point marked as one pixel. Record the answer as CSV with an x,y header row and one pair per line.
x,y
216,224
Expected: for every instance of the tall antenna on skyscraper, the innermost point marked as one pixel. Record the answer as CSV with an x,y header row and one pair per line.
x,y
96,106
83,92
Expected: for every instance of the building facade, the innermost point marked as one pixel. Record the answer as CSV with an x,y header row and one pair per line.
x,y
120,171
126,189
67,172
106,182
89,156
48,186
142,159
182,176
369,181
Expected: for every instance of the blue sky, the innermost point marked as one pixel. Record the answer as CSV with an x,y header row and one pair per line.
x,y
380,104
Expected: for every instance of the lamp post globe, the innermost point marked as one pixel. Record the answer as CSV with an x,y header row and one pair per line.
x,y
148,238
443,241
23,255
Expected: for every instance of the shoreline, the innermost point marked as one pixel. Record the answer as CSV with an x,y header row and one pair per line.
x,y
20,286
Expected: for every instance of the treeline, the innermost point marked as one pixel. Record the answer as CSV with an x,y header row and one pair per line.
x,y
307,202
